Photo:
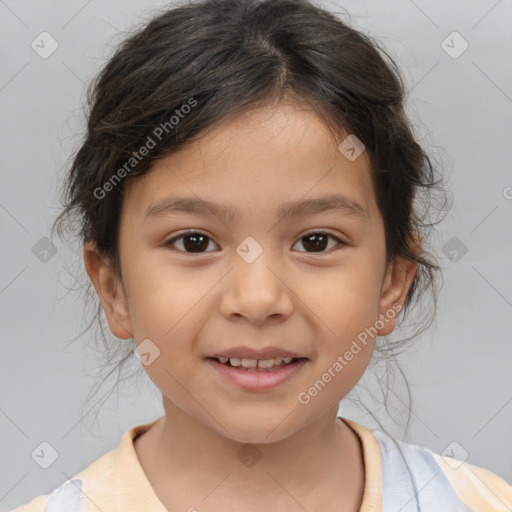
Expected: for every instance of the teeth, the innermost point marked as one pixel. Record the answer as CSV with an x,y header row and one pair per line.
x,y
267,363
253,363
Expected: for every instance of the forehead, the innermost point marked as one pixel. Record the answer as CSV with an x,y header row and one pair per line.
x,y
258,159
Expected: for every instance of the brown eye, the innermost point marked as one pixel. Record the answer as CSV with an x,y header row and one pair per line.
x,y
192,242
318,241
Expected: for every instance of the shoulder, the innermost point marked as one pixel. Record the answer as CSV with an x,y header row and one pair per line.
x,y
77,493
424,478
476,485
100,486
68,497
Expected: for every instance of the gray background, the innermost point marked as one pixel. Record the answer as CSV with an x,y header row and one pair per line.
x,y
459,372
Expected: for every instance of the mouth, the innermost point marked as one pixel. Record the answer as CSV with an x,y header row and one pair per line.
x,y
257,365
257,375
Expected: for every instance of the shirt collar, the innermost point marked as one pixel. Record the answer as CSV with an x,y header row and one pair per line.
x,y
133,491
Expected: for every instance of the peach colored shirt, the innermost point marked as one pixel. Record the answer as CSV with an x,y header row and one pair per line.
x,y
398,476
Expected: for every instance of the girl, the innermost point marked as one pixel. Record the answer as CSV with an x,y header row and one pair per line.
x,y
247,198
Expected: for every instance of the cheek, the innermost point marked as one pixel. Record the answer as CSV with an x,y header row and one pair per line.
x,y
162,295
164,321
167,310
344,307
345,299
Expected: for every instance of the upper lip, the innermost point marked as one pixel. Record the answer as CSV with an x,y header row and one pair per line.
x,y
250,353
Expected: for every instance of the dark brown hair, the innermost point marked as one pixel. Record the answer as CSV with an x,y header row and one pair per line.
x,y
194,65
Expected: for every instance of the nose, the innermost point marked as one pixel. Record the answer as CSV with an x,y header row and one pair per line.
x,y
257,291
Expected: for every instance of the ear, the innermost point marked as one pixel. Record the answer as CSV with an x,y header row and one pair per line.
x,y
397,282
110,291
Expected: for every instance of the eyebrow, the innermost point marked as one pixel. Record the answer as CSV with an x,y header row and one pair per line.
x,y
329,203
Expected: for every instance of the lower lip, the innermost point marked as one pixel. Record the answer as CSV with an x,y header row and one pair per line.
x,y
258,380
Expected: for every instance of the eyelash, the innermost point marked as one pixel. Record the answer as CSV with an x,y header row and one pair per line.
x,y
171,241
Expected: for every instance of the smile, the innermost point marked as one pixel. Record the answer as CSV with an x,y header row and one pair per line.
x,y
257,375
256,364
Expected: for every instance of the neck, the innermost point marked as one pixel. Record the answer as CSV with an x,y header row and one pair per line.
x,y
180,454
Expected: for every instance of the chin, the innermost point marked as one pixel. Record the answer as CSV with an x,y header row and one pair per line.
x,y
257,431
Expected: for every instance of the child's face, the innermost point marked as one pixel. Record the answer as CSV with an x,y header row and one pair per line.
x,y
313,303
